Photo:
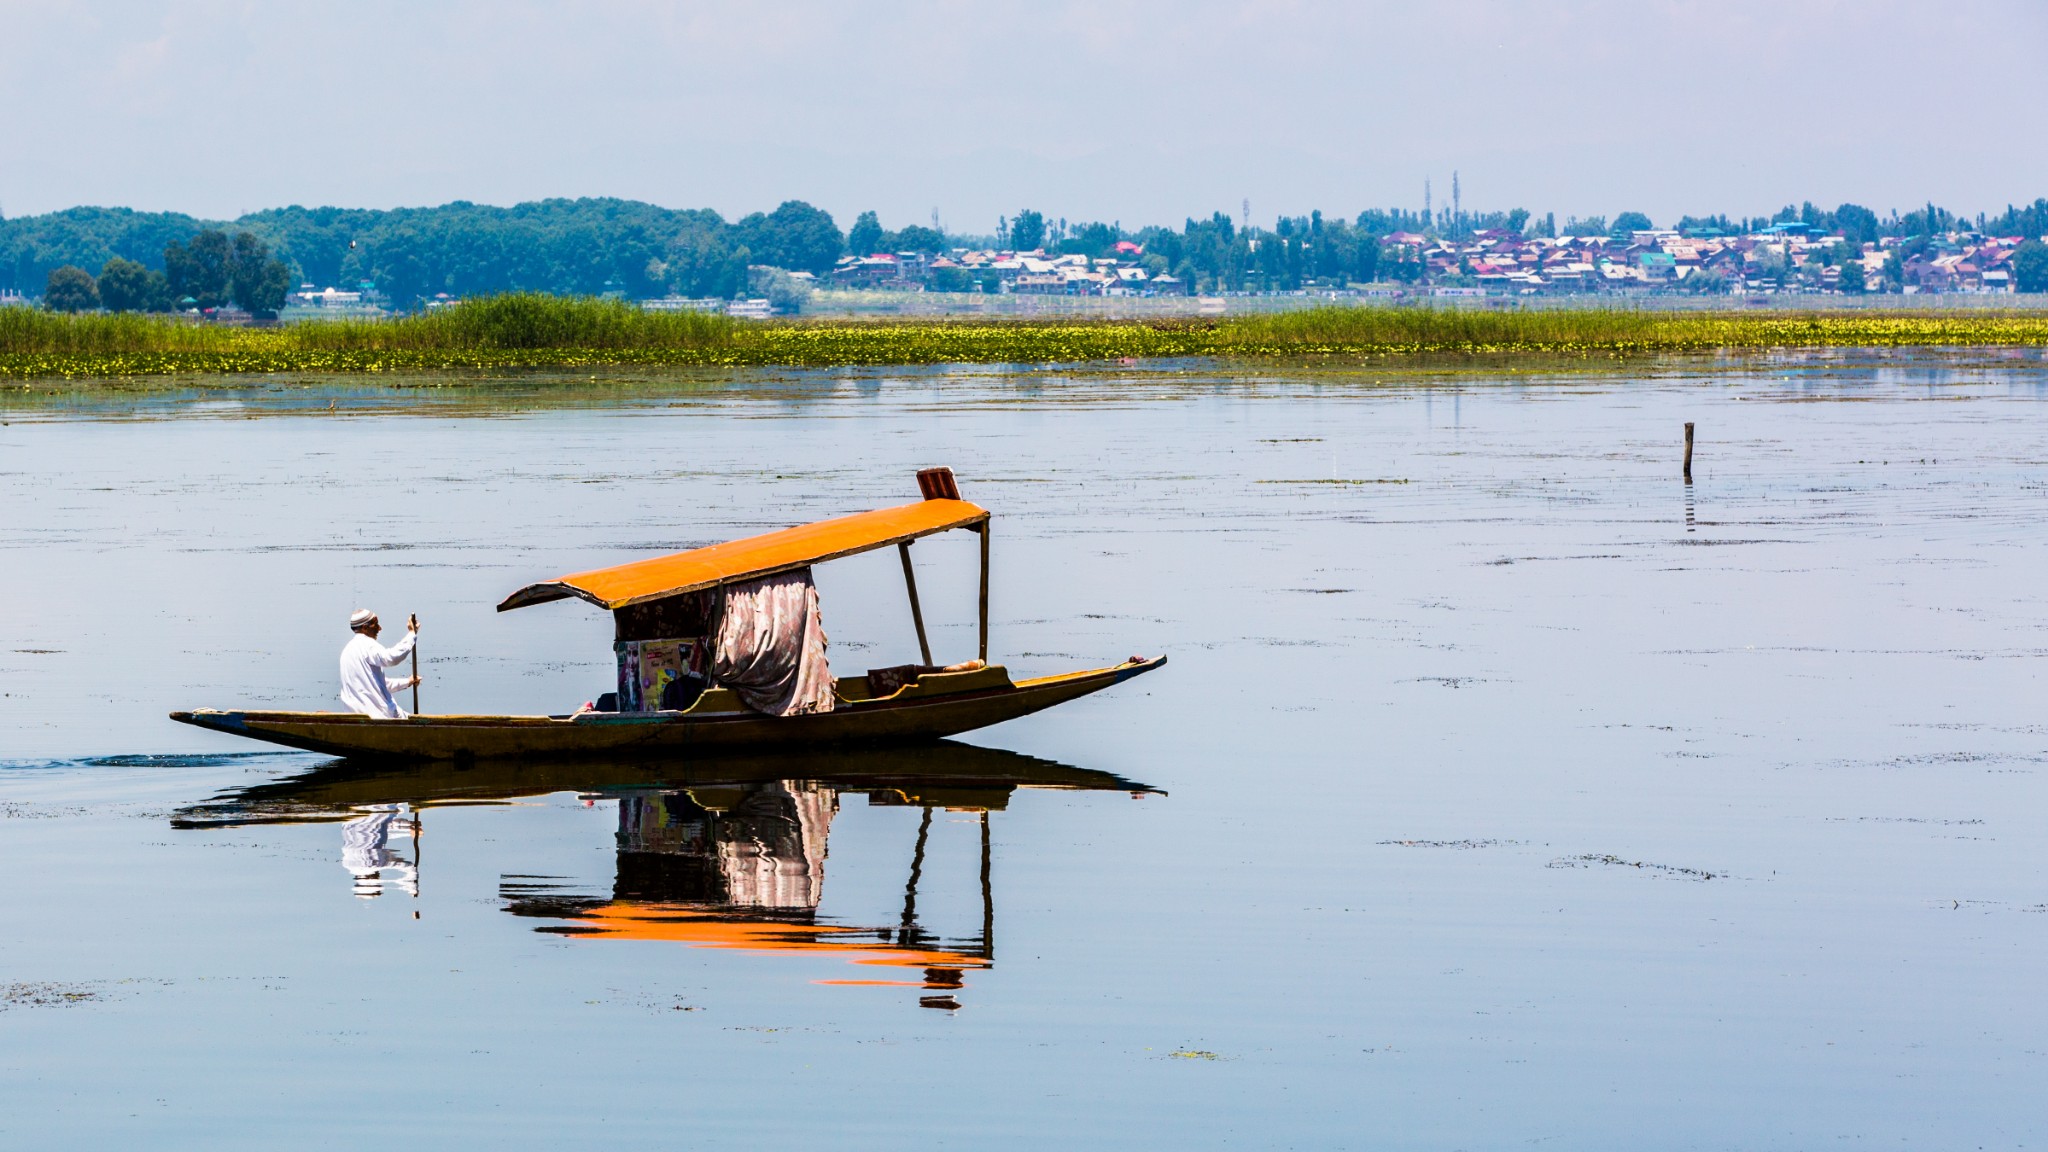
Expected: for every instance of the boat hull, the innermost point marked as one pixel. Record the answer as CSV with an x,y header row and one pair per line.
x,y
909,716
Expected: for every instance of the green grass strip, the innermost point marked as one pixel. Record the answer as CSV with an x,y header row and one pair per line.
x,y
529,330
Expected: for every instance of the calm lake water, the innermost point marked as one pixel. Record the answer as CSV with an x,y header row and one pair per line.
x,y
1503,789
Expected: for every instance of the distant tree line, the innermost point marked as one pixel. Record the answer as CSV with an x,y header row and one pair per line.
x,y
154,261
212,270
572,247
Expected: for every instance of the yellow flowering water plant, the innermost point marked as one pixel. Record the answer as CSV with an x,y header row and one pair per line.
x,y
532,330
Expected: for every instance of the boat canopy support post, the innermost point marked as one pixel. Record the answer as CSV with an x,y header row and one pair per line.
x,y
988,898
909,932
924,645
984,591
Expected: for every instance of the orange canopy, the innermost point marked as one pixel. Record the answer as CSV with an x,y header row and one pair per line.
x,y
644,580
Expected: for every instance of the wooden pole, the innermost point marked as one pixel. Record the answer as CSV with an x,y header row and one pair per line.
x,y
984,591
988,899
412,624
924,646
1688,451
908,933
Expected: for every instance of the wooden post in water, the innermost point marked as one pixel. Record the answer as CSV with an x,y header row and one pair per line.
x,y
924,646
1688,451
984,591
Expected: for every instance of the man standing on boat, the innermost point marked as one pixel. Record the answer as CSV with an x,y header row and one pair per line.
x,y
364,687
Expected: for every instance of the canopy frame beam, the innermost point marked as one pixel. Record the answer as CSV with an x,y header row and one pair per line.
x,y
924,645
983,529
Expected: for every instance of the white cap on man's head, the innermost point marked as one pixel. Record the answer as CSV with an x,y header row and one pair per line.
x,y
361,617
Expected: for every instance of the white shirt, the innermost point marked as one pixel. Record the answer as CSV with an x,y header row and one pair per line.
x,y
363,686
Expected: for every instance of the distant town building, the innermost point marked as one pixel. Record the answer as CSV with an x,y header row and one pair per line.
x,y
308,297
684,304
1784,258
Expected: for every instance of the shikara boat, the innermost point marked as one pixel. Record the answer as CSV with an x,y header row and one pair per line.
x,y
914,703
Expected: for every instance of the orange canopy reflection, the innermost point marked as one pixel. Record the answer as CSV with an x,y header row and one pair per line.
x,y
708,928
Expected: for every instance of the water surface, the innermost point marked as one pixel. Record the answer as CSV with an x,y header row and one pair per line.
x,y
1502,788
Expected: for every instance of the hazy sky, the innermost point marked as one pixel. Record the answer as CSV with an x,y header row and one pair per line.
x,y
1140,111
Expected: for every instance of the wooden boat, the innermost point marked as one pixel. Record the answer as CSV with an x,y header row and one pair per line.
x,y
930,703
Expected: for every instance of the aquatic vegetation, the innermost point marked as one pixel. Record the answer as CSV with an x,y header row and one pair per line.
x,y
528,330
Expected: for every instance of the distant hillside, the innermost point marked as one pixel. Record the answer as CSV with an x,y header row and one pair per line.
x,y
584,247
86,237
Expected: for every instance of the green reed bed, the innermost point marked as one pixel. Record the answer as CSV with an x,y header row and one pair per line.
x,y
532,330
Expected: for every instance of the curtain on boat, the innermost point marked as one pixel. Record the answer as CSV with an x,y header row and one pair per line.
x,y
771,646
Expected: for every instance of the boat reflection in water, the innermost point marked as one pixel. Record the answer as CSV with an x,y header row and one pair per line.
x,y
727,853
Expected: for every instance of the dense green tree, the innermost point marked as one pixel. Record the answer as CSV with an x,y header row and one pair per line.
x,y
1164,242
1857,224
795,236
1894,272
1706,282
2030,221
2030,267
1632,222
127,286
1927,221
1852,277
1400,263
1027,231
704,261
1381,222
1094,241
1695,225
784,292
916,238
257,282
865,237
317,240
199,270
70,289
1366,251
580,247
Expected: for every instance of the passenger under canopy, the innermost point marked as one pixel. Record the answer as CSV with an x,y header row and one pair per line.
x,y
743,616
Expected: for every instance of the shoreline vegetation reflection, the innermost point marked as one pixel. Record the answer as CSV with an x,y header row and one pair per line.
x,y
726,854
532,330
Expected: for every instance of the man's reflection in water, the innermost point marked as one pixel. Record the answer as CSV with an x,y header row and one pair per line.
x,y
752,846
366,853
